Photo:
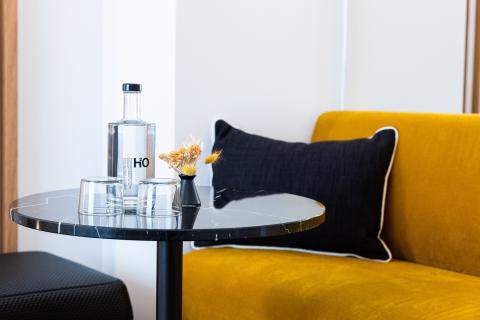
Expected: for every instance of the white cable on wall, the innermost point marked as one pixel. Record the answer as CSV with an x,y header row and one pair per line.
x,y
343,62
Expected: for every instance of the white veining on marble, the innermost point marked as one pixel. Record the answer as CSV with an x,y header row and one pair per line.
x,y
60,224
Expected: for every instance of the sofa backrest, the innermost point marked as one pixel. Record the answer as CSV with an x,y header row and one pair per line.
x,y
432,213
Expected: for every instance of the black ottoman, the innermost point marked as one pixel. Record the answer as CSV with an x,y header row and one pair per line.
x,y
39,285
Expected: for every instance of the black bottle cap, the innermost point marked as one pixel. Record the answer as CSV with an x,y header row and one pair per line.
x,y
131,87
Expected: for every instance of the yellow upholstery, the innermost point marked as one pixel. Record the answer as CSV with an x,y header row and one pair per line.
x,y
236,284
432,218
433,206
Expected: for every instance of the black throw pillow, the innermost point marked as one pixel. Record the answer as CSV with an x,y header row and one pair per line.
x,y
348,177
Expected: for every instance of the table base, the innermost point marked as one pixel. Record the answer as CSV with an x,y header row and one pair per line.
x,y
169,280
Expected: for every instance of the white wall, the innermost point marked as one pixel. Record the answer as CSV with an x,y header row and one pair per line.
x,y
405,55
73,57
60,95
269,66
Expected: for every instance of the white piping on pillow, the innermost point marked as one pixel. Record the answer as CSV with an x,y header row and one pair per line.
x,y
385,185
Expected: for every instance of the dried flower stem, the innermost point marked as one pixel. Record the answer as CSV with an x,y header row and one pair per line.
x,y
213,158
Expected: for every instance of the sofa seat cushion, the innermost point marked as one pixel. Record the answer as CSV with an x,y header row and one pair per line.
x,y
39,285
234,284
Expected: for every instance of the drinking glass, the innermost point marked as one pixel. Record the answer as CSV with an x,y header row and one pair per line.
x,y
171,222
101,196
101,220
159,197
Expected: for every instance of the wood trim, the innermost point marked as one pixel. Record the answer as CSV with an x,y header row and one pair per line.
x,y
467,65
8,122
474,68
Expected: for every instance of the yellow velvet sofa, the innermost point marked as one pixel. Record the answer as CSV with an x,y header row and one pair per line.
x,y
431,225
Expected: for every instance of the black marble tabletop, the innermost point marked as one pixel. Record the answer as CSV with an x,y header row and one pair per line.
x,y
259,216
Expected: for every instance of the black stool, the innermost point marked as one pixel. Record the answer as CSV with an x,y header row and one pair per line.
x,y
39,285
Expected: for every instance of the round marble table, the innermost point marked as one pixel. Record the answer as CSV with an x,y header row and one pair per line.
x,y
257,215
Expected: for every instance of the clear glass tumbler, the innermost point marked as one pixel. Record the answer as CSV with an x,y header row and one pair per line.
x,y
171,222
101,196
159,197
101,220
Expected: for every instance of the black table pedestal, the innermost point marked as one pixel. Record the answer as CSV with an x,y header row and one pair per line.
x,y
169,280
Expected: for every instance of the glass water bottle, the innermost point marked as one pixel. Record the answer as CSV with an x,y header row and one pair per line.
x,y
131,146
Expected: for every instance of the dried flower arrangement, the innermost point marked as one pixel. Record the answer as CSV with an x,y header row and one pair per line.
x,y
184,159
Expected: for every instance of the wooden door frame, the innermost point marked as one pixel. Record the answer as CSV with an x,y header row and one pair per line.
x,y
471,92
8,122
